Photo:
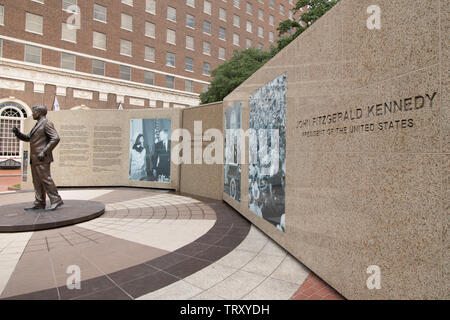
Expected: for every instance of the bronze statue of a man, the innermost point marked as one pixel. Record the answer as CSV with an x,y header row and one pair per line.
x,y
43,139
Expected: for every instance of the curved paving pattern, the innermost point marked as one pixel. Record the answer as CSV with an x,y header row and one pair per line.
x,y
148,245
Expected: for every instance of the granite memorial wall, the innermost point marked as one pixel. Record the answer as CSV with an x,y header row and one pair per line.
x,y
367,148
114,148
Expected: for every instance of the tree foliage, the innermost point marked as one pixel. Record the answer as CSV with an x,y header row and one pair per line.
x,y
229,75
288,30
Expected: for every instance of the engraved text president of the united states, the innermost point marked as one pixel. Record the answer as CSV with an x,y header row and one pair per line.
x,y
43,139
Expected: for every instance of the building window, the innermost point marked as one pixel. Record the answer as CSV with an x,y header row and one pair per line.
x,y
190,21
189,42
2,15
170,82
149,77
248,43
206,48
249,26
126,48
33,54
68,61
206,69
126,22
260,46
98,67
222,14
171,36
33,23
190,3
128,2
272,4
68,34
1,47
235,39
207,27
171,14
270,36
221,53
189,65
150,6
125,73
149,54
237,3
149,29
291,15
11,115
271,20
236,21
261,32
170,59
189,85
66,4
222,33
207,7
260,14
99,40
100,13
249,8
281,9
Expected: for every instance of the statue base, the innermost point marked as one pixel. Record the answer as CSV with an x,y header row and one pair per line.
x,y
13,217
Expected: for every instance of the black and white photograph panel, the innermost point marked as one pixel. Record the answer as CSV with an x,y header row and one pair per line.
x,y
267,152
150,150
232,152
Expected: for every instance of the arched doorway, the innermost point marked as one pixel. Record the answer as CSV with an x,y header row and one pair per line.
x,y
12,115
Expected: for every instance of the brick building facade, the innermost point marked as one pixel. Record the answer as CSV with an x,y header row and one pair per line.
x,y
97,54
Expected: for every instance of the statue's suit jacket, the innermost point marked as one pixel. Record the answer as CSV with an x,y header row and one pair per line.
x,y
43,137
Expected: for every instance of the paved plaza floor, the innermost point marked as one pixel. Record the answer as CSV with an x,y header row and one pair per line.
x,y
152,244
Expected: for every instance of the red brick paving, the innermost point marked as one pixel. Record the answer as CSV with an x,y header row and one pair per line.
x,y
6,182
315,289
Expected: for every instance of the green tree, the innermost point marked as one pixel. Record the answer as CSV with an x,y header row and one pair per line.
x,y
230,74
288,30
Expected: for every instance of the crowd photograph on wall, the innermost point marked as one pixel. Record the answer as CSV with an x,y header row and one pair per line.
x,y
267,174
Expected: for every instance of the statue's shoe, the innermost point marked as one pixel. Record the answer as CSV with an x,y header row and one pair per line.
x,y
54,206
34,208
